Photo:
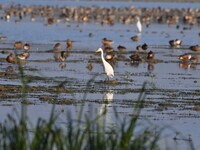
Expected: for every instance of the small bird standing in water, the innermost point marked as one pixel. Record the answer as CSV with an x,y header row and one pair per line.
x,y
18,45
107,67
107,42
144,46
23,56
57,46
10,58
69,44
150,55
185,57
175,42
195,48
26,47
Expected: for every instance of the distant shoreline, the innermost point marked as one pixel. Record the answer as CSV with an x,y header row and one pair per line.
x,y
166,1
170,1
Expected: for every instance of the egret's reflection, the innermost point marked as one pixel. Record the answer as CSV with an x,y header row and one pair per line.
x,y
104,110
139,35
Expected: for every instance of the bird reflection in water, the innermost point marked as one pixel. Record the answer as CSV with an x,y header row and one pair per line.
x,y
189,63
104,113
150,67
60,56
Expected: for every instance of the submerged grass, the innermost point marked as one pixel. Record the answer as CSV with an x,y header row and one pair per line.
x,y
84,133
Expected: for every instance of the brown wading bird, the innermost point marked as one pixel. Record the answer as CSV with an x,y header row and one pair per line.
x,y
63,56
57,46
139,47
108,49
175,42
194,59
106,42
10,58
69,44
121,48
150,55
23,56
135,38
18,45
135,58
195,48
185,57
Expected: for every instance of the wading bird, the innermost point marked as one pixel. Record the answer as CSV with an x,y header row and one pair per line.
x,y
107,67
175,42
185,57
138,24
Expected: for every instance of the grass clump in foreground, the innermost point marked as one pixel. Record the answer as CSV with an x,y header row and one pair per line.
x,y
84,133
81,134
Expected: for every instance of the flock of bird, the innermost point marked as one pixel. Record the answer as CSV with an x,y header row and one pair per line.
x,y
187,57
105,16
106,49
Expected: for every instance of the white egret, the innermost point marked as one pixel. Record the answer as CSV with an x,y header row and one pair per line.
x,y
138,24
107,67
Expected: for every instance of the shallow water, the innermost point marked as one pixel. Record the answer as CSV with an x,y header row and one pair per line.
x,y
172,91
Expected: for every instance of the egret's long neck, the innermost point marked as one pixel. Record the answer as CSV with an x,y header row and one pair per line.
x,y
102,57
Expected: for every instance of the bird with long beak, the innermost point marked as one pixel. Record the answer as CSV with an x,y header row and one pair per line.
x,y
107,67
138,24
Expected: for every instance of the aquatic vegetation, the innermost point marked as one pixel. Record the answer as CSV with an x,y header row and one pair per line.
x,y
84,133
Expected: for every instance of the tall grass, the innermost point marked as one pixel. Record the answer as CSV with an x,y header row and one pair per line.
x,y
84,133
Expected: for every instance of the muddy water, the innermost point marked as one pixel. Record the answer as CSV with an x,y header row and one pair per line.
x,y
172,96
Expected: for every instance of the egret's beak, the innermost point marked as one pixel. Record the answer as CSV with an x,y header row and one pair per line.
x,y
97,51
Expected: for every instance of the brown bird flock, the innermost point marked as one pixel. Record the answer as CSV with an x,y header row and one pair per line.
x,y
103,15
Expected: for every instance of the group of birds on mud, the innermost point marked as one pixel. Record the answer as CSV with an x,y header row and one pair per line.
x,y
107,16
106,50
104,15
